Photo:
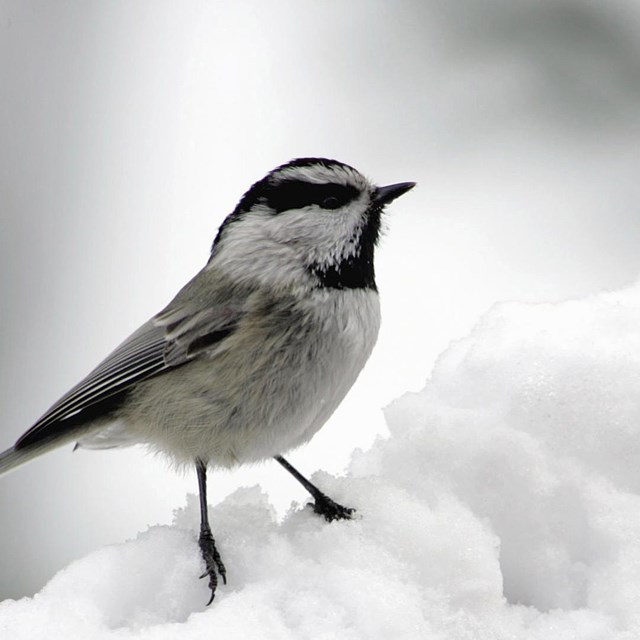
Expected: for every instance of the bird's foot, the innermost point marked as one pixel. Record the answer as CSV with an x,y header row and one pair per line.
x,y
212,560
330,510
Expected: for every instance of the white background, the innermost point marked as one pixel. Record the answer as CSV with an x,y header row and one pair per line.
x,y
128,130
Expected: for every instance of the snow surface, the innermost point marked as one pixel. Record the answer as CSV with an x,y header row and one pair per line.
x,y
503,504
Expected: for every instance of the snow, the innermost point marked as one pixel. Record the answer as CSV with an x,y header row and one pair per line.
x,y
503,504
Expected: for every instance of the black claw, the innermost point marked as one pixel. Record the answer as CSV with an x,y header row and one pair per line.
x,y
213,562
323,505
331,510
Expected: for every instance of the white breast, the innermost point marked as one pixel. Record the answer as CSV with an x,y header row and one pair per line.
x,y
352,321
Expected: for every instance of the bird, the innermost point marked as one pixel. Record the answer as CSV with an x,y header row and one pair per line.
x,y
254,354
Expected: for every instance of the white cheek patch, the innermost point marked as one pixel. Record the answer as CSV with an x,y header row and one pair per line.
x,y
321,237
249,253
279,249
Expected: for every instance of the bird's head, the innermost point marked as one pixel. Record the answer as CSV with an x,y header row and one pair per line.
x,y
312,222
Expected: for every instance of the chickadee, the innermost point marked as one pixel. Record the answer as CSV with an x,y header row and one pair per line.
x,y
256,352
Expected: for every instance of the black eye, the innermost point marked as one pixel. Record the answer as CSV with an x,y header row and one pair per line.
x,y
298,194
330,203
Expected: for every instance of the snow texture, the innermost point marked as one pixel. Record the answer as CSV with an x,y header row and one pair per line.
x,y
503,504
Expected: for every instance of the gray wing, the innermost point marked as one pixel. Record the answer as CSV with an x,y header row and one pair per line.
x,y
173,337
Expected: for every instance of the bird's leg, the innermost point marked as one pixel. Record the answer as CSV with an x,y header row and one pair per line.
x,y
323,505
212,560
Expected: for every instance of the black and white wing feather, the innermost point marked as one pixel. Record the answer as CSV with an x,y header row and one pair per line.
x,y
172,338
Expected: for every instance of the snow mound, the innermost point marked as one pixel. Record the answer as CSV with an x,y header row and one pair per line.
x,y
503,504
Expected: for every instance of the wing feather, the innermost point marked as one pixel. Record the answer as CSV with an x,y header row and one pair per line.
x,y
169,340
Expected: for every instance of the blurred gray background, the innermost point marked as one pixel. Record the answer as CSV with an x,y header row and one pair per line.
x,y
129,129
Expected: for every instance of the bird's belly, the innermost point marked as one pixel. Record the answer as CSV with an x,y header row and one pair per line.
x,y
267,392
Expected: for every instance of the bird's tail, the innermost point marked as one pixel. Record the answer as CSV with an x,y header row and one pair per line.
x,y
17,456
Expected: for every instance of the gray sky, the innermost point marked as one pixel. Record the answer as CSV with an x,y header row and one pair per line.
x,y
129,130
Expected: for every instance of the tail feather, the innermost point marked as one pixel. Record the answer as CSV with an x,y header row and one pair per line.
x,y
12,458
15,457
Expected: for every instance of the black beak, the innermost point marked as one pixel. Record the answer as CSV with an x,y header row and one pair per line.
x,y
385,195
